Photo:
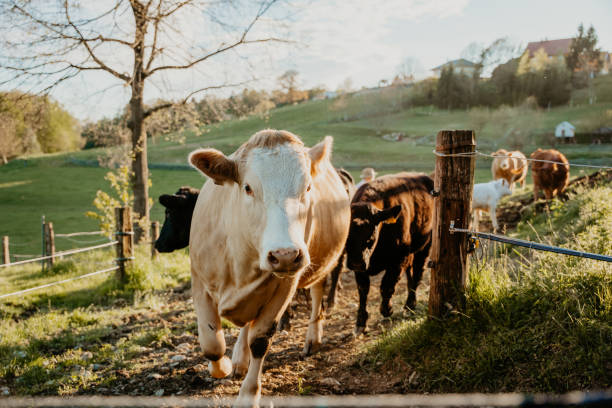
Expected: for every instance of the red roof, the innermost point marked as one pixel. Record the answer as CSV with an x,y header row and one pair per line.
x,y
552,47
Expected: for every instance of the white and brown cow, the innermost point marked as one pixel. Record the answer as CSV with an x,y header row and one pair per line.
x,y
273,217
510,166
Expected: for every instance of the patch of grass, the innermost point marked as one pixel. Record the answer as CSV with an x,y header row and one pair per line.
x,y
534,321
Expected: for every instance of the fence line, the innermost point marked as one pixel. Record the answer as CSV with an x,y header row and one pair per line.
x,y
531,245
576,398
478,153
114,268
63,253
76,234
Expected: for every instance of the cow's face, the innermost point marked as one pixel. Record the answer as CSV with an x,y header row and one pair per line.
x,y
272,189
366,222
175,231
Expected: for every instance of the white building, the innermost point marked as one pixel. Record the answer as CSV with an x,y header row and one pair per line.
x,y
460,66
565,129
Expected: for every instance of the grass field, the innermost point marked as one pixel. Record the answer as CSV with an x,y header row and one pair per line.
x,y
54,186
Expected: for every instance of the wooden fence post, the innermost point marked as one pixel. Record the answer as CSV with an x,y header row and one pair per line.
x,y
125,236
453,185
50,244
6,257
44,247
154,236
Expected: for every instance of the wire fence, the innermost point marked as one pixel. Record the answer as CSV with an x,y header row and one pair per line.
x,y
60,254
521,242
495,156
531,245
87,275
124,243
582,399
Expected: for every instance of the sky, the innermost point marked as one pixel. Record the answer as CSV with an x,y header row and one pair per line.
x,y
364,40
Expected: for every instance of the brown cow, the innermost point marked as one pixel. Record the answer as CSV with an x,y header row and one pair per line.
x,y
273,217
550,177
510,166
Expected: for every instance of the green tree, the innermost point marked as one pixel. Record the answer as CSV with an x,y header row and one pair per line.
x,y
584,54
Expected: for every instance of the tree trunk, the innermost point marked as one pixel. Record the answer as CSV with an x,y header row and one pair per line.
x,y
140,168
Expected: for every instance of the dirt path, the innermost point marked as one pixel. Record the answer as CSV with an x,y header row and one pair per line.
x,y
180,369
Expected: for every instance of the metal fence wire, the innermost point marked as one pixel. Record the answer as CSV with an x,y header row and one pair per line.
x,y
582,399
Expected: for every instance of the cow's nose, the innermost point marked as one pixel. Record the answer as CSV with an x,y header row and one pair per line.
x,y
286,259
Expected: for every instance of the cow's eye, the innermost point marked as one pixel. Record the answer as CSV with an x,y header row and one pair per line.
x,y
248,190
309,187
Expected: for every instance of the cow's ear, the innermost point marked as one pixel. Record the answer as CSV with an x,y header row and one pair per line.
x,y
388,216
172,201
319,153
215,165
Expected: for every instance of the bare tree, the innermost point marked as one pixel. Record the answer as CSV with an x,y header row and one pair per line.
x,y
48,42
409,69
9,142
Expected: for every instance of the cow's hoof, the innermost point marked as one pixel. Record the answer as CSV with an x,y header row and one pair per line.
x,y
310,348
386,311
239,372
359,331
220,368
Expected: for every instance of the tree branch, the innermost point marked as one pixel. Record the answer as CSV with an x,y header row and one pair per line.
x,y
183,101
241,41
97,60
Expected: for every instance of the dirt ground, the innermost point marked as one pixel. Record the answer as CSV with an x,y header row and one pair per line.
x,y
180,368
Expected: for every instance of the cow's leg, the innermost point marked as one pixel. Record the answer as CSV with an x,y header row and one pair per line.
x,y
536,191
363,286
315,325
285,320
388,284
241,354
335,276
210,332
414,280
260,333
548,193
493,218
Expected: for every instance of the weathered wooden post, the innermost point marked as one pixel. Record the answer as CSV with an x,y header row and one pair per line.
x,y
125,237
44,247
154,236
453,185
50,244
6,257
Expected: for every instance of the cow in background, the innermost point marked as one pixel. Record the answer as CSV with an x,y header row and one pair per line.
x,y
550,177
179,210
273,217
510,166
485,198
391,223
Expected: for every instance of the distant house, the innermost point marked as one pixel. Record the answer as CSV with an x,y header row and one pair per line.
x,y
330,94
552,48
460,66
565,130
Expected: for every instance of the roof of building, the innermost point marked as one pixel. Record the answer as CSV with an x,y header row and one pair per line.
x,y
551,47
566,123
461,63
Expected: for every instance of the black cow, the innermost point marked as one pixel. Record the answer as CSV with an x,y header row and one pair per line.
x,y
179,209
391,223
